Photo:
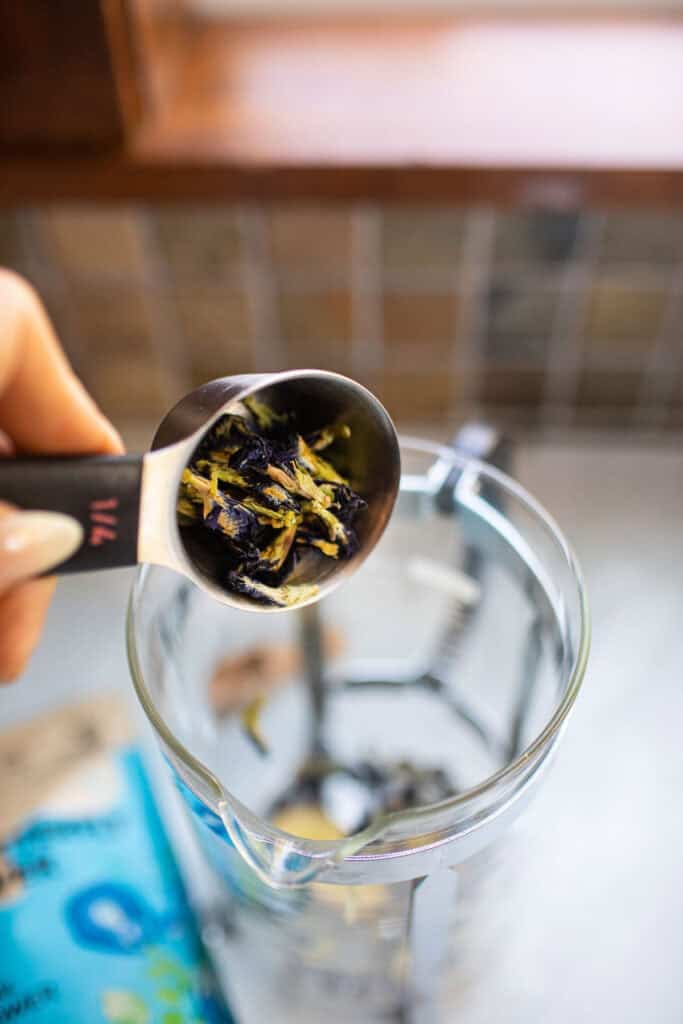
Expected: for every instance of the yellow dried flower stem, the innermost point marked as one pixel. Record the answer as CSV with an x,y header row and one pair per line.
x,y
298,482
319,467
277,551
335,528
328,435
263,414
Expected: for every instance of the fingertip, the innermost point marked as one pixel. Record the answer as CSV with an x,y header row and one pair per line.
x,y
11,667
112,442
102,436
44,407
18,293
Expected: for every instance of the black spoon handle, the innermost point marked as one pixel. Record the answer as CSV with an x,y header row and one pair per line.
x,y
101,492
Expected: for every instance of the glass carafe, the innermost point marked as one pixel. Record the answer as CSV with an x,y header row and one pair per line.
x,y
355,771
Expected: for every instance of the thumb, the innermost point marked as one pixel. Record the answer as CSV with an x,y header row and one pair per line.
x,y
31,543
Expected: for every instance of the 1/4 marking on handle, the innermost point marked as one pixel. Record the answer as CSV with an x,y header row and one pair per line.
x,y
102,521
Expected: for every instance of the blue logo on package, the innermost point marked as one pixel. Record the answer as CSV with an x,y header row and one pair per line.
x,y
112,918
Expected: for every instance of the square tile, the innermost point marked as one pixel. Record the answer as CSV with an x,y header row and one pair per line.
x,y
313,238
511,387
409,396
674,417
422,237
677,389
216,330
535,236
128,387
111,319
423,356
623,316
199,243
331,356
95,243
315,318
419,324
608,388
519,320
641,236
13,255
605,417
64,321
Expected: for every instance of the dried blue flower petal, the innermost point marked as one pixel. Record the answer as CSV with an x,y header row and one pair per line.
x,y
255,453
231,518
277,496
264,494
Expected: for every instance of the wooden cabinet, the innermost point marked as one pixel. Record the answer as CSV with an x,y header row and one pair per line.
x,y
69,74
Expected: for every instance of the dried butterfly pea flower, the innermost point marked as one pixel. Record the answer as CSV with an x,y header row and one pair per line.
x,y
277,495
322,439
286,595
220,473
219,511
277,551
297,481
225,433
186,510
326,546
265,417
230,518
268,516
335,528
317,466
255,453
269,495
195,486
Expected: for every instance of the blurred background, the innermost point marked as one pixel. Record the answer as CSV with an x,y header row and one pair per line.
x,y
475,207
538,319
475,211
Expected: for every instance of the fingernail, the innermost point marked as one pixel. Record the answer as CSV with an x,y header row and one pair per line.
x,y
34,542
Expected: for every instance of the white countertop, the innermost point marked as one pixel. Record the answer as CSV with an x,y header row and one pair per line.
x,y
602,938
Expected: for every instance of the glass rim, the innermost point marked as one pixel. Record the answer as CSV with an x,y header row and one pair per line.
x,y
520,768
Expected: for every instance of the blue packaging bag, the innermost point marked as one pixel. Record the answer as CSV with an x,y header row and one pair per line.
x,y
94,921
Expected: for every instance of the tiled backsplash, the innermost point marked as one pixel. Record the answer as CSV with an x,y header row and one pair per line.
x,y
534,318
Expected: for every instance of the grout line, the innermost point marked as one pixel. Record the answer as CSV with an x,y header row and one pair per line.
x,y
168,342
635,275
661,373
38,246
419,280
262,291
565,353
34,245
630,357
474,276
539,277
311,280
367,326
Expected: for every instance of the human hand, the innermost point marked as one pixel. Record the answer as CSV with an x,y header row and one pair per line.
x,y
44,408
